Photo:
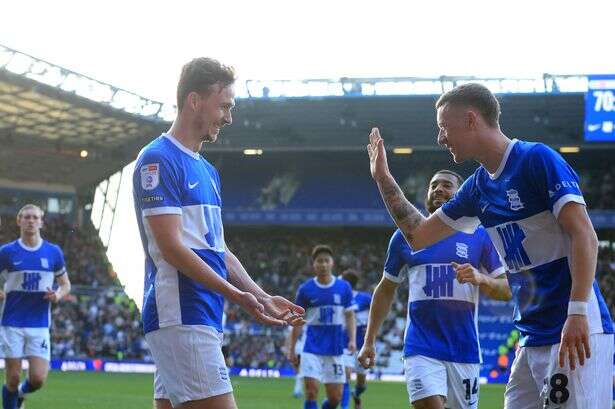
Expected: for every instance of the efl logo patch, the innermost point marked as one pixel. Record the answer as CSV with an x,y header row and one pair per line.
x,y
462,250
150,176
44,263
514,200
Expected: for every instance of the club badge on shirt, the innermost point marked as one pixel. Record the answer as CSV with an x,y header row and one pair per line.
x,y
150,176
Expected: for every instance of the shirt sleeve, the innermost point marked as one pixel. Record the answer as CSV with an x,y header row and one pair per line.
x,y
347,299
554,179
300,299
394,260
60,266
460,211
4,260
156,185
490,259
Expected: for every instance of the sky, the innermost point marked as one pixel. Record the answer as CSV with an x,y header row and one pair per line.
x,y
141,45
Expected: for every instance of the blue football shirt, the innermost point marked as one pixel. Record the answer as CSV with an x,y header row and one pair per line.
x,y
519,206
171,179
442,321
325,307
29,272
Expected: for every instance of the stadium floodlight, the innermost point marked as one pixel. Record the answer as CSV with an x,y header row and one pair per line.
x,y
252,151
83,153
570,149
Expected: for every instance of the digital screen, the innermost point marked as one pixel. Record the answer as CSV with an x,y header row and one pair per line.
x,y
600,109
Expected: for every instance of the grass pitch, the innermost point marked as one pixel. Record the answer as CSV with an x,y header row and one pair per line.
x,y
87,390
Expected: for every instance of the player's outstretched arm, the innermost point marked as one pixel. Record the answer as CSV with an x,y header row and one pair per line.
x,y
166,229
574,220
351,329
419,231
380,307
292,342
495,288
276,306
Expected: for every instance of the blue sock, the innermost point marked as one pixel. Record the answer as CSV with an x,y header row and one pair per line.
x,y
359,389
24,388
345,396
310,404
9,399
325,405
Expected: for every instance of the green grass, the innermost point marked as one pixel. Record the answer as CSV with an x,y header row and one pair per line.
x,y
127,391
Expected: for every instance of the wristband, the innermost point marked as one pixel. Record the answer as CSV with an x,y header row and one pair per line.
x,y
577,308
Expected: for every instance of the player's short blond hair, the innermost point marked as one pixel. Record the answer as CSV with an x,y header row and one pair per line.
x,y
30,206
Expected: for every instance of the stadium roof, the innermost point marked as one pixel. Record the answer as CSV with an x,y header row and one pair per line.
x,y
50,116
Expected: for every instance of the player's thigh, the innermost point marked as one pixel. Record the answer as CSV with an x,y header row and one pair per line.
x,y
463,385
37,343
12,342
162,404
425,377
311,388
225,401
311,366
522,390
189,362
431,402
333,369
588,386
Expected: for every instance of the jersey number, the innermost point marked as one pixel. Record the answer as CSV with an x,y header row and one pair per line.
x,y
31,281
558,392
338,370
471,387
326,315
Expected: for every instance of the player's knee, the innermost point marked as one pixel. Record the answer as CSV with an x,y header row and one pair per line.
x,y
311,393
36,382
12,381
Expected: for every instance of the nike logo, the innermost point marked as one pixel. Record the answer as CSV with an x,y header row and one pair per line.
x,y
192,185
18,262
482,209
472,403
314,301
593,127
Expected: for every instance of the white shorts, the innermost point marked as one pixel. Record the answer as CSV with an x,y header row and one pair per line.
x,y
458,383
324,368
189,363
17,342
351,361
537,382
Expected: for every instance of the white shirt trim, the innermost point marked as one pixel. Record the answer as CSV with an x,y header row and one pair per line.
x,y
557,206
155,211
500,168
194,155
28,248
325,285
464,224
391,277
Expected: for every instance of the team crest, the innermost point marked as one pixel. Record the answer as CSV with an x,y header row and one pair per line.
x,y
462,250
514,200
337,299
44,263
150,176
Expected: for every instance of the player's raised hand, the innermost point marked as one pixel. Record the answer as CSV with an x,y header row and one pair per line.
x,y
575,341
466,273
377,155
280,308
367,356
51,295
252,306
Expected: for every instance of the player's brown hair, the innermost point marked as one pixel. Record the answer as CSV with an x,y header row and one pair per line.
x,y
319,249
30,206
199,75
476,96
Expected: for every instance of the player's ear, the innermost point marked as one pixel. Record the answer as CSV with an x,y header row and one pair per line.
x,y
472,120
194,100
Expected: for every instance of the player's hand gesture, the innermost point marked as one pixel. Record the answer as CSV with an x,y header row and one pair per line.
x,y
280,308
575,341
252,306
51,295
466,273
367,356
377,155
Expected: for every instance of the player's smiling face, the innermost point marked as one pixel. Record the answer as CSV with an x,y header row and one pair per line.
x,y
323,264
442,187
30,221
453,132
214,111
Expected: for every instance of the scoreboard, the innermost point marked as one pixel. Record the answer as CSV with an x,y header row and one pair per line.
x,y
600,109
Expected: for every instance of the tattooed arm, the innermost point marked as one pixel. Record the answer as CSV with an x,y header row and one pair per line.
x,y
419,231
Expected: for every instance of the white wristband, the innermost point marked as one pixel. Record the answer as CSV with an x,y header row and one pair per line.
x,y
577,308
